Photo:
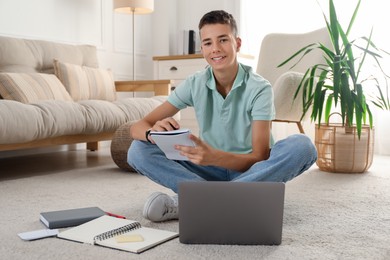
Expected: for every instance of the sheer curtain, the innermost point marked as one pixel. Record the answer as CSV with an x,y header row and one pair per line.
x,y
261,17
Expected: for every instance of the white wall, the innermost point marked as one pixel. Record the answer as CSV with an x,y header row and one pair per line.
x,y
58,20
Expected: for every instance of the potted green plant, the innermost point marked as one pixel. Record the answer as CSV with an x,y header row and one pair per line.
x,y
339,85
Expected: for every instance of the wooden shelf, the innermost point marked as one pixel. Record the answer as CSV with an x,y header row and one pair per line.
x,y
179,57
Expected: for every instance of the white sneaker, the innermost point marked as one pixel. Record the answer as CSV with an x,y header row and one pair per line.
x,y
161,207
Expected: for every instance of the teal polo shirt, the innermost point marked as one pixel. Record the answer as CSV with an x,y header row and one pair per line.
x,y
226,123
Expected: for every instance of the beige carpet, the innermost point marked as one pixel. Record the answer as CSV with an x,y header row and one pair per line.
x,y
327,216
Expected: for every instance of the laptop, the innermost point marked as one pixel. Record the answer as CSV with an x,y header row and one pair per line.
x,y
231,213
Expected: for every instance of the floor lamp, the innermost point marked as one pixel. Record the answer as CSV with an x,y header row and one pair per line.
x,y
134,7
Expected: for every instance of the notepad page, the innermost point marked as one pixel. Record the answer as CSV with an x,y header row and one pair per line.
x,y
151,238
166,142
87,231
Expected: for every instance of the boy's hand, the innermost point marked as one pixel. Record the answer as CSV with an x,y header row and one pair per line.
x,y
167,124
202,153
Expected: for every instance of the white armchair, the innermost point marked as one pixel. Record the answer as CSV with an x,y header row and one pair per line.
x,y
276,48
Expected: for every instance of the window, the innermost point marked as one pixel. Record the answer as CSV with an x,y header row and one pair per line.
x,y
261,17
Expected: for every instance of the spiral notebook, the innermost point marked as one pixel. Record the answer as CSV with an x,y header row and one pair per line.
x,y
167,140
122,234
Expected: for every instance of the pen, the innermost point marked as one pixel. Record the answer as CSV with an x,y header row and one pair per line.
x,y
115,215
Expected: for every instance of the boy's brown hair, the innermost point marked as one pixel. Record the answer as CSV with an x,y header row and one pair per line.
x,y
219,17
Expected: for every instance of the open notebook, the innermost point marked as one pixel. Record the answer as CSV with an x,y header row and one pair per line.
x,y
122,234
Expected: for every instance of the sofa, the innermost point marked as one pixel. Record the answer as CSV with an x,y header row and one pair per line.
x,y
55,94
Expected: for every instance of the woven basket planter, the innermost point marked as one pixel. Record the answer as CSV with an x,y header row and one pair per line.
x,y
342,152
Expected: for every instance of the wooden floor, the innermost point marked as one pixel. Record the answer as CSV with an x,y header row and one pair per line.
x,y
52,162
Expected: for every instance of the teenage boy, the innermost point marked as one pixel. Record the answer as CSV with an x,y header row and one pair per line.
x,y
234,109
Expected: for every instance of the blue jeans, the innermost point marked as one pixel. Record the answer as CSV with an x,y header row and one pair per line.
x,y
288,158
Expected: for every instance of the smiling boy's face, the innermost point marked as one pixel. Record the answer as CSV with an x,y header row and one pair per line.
x,y
219,46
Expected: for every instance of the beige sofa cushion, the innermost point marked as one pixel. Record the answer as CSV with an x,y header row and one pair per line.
x,y
31,87
47,118
51,118
285,87
86,83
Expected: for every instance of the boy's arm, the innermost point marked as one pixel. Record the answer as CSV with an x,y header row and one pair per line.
x,y
160,119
